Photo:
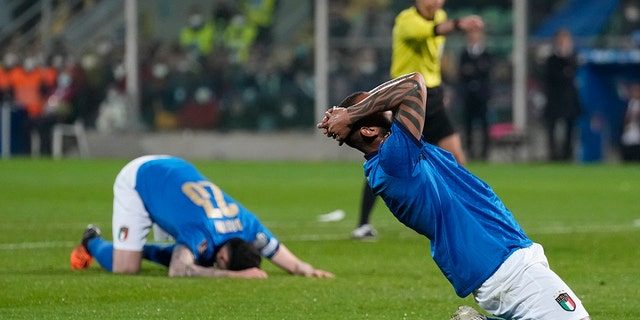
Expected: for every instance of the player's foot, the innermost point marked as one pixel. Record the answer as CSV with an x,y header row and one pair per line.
x,y
364,232
92,231
467,313
80,257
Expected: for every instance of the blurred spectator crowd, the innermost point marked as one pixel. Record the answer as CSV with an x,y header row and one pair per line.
x,y
228,68
222,72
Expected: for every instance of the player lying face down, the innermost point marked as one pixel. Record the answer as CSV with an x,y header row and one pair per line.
x,y
215,236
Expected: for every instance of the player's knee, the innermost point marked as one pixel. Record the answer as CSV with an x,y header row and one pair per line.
x,y
126,262
126,269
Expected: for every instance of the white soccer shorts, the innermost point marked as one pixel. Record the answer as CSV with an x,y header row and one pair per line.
x,y
524,287
131,222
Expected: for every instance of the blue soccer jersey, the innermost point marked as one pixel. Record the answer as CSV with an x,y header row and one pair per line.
x,y
196,212
471,231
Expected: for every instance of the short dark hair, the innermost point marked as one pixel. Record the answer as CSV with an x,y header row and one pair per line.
x,y
371,120
350,99
242,255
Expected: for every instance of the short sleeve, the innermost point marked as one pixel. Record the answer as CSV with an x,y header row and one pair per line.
x,y
400,152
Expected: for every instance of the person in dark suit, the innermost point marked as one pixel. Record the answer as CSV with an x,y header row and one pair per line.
x,y
563,104
475,86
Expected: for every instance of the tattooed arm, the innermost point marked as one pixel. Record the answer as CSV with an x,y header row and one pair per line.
x,y
405,96
183,265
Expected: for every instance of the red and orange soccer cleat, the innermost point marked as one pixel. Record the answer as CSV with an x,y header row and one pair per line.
x,y
80,258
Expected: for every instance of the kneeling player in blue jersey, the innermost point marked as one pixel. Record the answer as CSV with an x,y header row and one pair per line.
x,y
475,240
215,236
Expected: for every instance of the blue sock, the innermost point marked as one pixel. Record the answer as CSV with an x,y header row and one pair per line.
x,y
102,251
158,253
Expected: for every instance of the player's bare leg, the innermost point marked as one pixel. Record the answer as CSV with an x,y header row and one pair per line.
x,y
453,144
127,262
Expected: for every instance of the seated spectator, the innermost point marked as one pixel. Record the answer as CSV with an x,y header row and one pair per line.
x,y
61,104
239,37
200,112
198,35
259,13
19,128
112,114
630,143
96,76
4,76
27,87
157,94
223,11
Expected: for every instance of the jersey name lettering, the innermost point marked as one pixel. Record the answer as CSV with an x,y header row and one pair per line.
x,y
227,226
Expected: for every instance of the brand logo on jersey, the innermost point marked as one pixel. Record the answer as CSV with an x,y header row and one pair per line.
x,y
123,233
565,301
202,247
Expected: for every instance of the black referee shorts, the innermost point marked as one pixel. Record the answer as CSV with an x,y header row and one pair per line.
x,y
437,124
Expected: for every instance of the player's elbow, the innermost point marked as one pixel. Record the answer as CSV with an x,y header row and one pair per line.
x,y
178,271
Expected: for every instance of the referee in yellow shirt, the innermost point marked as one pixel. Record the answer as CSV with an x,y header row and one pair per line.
x,y
419,35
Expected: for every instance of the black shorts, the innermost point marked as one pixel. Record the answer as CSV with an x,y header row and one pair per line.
x,y
437,123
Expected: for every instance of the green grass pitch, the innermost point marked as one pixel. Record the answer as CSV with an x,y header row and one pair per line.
x,y
586,216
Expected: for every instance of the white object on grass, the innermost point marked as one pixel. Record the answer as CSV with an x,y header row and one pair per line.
x,y
335,215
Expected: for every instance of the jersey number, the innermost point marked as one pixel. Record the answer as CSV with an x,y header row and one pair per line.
x,y
197,192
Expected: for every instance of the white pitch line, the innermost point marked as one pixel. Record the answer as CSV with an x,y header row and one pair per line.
x,y
580,229
343,236
316,237
36,245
